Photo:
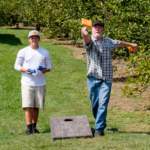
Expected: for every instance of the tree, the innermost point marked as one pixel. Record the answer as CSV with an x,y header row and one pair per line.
x,y
124,19
10,12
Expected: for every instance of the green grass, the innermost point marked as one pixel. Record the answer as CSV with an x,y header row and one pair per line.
x,y
66,95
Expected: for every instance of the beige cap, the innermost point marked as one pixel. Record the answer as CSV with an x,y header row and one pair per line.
x,y
33,33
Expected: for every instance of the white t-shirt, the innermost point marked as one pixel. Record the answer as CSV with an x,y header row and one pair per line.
x,y
32,59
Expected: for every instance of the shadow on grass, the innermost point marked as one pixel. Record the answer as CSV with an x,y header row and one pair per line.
x,y
123,79
48,130
9,39
116,130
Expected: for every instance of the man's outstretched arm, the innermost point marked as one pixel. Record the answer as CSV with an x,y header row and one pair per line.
x,y
131,46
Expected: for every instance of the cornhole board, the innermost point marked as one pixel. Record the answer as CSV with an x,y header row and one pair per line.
x,y
70,127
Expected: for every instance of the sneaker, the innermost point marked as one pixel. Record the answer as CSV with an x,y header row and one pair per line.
x,y
28,131
99,133
36,130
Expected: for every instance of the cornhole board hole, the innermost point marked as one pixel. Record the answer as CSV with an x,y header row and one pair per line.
x,y
70,127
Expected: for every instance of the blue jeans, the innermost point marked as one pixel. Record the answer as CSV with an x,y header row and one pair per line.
x,y
99,92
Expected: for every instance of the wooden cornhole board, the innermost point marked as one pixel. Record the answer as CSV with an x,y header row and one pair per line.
x,y
70,127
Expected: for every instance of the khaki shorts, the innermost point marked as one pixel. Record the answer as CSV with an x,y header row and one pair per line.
x,y
33,96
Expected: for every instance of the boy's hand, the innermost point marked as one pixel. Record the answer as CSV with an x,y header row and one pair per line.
x,y
22,69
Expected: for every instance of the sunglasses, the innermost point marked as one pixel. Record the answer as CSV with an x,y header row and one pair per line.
x,y
34,37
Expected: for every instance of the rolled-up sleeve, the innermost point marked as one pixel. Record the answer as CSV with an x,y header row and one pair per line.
x,y
115,43
19,60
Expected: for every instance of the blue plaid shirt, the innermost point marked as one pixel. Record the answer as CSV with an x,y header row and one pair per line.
x,y
99,58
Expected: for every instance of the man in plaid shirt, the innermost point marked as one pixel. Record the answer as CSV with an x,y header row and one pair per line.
x,y
100,72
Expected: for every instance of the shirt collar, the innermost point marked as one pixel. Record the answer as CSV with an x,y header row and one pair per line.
x,y
94,39
34,49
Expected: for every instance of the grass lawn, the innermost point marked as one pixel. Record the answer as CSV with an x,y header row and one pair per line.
x,y
66,95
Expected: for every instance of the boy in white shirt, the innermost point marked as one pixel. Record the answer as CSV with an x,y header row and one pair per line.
x,y
33,61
